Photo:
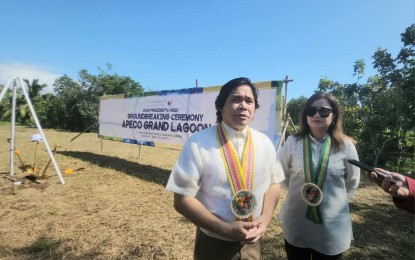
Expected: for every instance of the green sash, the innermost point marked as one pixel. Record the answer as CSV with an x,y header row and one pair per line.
x,y
316,176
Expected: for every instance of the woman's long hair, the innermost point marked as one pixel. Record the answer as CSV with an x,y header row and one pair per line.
x,y
335,129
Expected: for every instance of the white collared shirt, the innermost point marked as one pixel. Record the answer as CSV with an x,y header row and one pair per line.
x,y
200,172
238,139
316,147
342,179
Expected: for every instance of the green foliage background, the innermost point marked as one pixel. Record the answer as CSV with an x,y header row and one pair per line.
x,y
379,114
75,104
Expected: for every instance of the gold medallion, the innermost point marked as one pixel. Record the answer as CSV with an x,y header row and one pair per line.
x,y
311,194
243,204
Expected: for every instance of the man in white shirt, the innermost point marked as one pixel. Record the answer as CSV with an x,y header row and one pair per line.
x,y
226,180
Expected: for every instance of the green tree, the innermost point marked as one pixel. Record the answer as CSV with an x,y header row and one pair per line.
x,y
294,107
347,96
380,113
390,101
23,114
60,112
5,105
76,105
359,69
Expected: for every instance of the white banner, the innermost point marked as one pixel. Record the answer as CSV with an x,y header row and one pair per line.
x,y
174,118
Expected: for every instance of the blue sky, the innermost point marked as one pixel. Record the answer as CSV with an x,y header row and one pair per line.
x,y
169,44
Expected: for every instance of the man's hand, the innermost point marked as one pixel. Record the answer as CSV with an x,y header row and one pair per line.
x,y
255,233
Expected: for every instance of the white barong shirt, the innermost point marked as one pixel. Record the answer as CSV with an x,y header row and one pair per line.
x,y
335,234
200,171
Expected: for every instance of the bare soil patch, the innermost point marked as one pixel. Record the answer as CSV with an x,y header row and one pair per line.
x,y
117,207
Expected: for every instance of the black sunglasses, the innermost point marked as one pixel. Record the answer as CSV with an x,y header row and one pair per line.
x,y
324,112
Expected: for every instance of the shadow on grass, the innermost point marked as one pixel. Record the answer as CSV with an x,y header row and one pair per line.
x,y
273,248
43,248
144,172
46,247
384,233
380,230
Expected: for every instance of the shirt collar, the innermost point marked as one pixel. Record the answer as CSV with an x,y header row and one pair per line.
x,y
315,141
232,133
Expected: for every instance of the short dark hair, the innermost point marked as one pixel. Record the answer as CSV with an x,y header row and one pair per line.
x,y
227,89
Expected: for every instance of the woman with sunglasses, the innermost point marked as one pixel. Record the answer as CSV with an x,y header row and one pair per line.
x,y
315,216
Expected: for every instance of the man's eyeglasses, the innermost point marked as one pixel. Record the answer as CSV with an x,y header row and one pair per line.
x,y
324,112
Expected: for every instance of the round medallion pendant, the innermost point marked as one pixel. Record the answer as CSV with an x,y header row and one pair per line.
x,y
311,194
243,204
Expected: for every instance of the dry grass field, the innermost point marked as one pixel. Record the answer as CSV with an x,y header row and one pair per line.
x,y
117,207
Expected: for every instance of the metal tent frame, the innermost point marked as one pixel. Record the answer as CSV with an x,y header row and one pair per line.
x,y
13,85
